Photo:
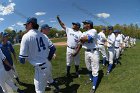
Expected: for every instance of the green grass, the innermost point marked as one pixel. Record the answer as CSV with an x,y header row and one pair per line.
x,y
124,78
54,40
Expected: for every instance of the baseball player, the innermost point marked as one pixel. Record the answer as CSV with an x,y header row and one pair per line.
x,y
111,51
126,40
89,41
45,28
73,38
7,49
118,44
122,46
38,50
101,41
4,77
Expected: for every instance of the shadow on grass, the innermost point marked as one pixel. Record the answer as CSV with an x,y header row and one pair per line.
x,y
100,76
83,71
66,81
30,88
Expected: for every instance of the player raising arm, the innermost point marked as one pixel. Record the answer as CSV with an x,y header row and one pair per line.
x,y
73,39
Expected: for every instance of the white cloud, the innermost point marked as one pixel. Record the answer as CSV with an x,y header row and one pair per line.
x,y
13,25
103,15
40,13
10,1
53,21
42,21
11,28
1,19
20,24
6,10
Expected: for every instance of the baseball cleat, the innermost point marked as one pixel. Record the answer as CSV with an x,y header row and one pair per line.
x,y
77,74
20,91
92,91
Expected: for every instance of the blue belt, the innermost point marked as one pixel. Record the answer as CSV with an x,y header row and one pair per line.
x,y
116,47
71,47
101,44
88,50
42,65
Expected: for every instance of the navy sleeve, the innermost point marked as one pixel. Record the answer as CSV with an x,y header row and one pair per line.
x,y
51,53
11,48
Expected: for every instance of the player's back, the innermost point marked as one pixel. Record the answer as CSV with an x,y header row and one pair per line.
x,y
37,47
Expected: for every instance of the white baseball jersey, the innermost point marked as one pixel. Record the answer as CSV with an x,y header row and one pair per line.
x,y
111,40
118,41
101,38
93,43
91,57
35,47
73,37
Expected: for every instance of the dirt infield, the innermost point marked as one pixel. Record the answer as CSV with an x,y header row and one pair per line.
x,y
60,44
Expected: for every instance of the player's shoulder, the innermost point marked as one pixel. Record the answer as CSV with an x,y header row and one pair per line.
x,y
93,30
69,29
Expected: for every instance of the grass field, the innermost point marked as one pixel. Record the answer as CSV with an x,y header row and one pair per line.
x,y
124,78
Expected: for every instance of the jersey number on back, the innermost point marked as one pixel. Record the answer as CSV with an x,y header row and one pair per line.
x,y
40,44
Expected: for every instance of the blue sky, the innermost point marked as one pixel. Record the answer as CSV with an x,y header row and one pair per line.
x,y
112,11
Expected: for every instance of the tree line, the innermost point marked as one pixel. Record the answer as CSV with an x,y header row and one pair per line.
x,y
132,30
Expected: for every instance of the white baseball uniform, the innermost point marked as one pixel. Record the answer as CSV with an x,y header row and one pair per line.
x,y
91,52
101,41
111,51
118,43
35,47
121,47
73,38
4,77
126,40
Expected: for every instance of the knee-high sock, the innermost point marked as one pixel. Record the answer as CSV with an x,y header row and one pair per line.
x,y
95,79
76,68
68,69
110,67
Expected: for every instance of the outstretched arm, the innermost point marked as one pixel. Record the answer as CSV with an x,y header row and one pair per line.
x,y
61,23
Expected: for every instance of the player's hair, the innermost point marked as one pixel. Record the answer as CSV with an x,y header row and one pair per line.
x,y
91,26
35,26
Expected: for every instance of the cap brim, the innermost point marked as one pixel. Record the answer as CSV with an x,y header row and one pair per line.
x,y
74,23
85,23
25,24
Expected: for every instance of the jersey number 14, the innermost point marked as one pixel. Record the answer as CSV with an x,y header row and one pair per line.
x,y
40,44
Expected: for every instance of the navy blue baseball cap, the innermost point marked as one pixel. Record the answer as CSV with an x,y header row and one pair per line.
x,y
116,31
5,34
88,22
76,23
31,20
110,27
44,26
